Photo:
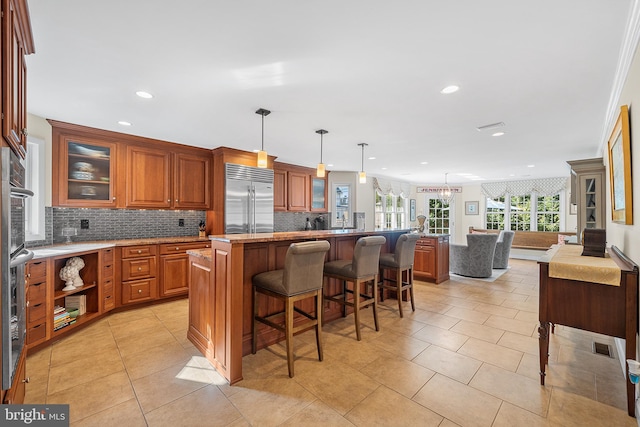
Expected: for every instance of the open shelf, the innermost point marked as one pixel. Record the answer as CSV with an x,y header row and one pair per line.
x,y
79,321
61,294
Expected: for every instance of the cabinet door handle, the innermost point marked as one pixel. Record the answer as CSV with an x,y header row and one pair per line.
x,y
26,380
168,200
177,248
139,251
176,200
28,303
139,268
139,291
113,198
25,133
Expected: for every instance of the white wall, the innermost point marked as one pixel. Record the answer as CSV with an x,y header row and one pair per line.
x,y
627,237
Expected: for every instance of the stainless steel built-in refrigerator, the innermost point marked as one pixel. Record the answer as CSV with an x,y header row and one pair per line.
x,y
248,203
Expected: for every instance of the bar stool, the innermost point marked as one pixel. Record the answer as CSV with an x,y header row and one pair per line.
x,y
398,263
301,278
360,270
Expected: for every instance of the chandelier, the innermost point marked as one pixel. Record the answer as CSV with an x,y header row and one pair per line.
x,y
444,193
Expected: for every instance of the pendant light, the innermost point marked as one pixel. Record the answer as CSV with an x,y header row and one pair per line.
x,y
444,193
262,155
320,170
362,176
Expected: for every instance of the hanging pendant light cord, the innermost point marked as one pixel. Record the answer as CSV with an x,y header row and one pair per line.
x,y
262,132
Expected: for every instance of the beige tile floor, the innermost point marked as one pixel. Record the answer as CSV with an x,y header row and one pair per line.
x,y
467,356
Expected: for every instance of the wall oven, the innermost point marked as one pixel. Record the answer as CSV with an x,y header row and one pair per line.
x,y
13,258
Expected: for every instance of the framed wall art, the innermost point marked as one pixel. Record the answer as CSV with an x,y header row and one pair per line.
x,y
471,208
620,170
412,209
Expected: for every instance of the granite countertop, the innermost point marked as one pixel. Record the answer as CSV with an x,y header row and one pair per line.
x,y
205,254
70,248
295,235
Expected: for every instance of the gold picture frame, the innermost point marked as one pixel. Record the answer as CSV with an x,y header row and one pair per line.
x,y
620,170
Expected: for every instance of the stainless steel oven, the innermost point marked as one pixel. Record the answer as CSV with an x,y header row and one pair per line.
x,y
13,258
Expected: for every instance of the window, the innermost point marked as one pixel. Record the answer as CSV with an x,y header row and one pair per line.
x,y
390,212
438,215
34,206
525,213
548,213
520,209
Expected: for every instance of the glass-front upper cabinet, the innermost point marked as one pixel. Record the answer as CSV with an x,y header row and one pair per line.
x,y
85,171
318,194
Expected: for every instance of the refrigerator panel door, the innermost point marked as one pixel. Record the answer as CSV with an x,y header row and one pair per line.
x,y
263,207
236,207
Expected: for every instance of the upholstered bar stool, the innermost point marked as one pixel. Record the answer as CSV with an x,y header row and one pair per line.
x,y
398,263
301,278
360,270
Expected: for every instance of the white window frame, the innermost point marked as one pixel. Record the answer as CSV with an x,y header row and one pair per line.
x,y
34,206
533,212
381,214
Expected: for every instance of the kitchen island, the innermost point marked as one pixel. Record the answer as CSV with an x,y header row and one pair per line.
x,y
221,297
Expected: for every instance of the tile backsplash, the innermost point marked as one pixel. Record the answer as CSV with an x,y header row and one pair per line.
x,y
114,224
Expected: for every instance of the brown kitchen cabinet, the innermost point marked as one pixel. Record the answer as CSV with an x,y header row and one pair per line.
x,y
279,190
297,191
431,260
90,275
174,267
17,41
36,310
138,270
15,395
159,179
84,171
201,327
95,168
108,289
318,194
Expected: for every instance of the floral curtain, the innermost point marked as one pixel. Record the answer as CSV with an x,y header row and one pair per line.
x,y
542,186
397,188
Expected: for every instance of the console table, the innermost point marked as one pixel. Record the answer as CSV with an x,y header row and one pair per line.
x,y
602,308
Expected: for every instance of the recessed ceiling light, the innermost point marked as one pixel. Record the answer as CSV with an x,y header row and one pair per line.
x,y
372,158
123,123
384,169
450,89
143,94
424,163
498,134
531,166
330,165
464,174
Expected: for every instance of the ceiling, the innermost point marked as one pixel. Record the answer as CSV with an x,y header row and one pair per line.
x,y
365,70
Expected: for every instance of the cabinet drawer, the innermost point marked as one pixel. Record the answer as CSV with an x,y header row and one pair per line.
x,y
139,251
425,242
107,256
36,293
36,333
180,248
138,268
107,288
138,291
37,271
36,312
109,303
107,271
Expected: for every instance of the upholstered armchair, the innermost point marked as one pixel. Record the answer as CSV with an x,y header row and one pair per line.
x,y
503,248
475,259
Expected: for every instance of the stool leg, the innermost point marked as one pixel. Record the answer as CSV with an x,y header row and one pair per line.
x,y
344,294
375,303
319,308
382,284
410,279
399,289
289,333
254,342
356,306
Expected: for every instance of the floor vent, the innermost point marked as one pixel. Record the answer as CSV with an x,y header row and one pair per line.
x,y
604,349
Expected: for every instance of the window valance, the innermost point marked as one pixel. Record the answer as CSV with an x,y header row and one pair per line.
x,y
386,186
542,187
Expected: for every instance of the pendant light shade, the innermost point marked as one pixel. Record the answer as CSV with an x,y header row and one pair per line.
x,y
362,176
320,172
262,155
444,193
